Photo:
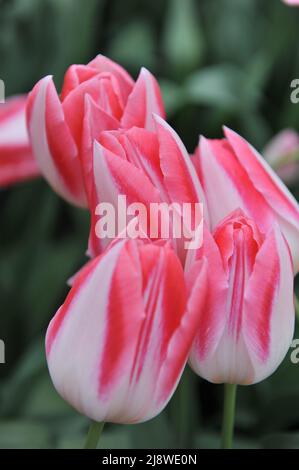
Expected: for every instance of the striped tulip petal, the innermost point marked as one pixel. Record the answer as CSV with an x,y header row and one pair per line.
x,y
117,346
53,145
114,177
144,100
16,160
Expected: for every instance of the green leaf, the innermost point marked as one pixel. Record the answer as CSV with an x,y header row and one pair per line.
x,y
216,85
173,96
281,441
123,46
24,435
183,42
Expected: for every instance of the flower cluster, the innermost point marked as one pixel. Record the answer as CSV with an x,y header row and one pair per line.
x,y
141,308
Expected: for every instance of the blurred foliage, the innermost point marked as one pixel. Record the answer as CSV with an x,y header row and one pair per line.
x,y
219,62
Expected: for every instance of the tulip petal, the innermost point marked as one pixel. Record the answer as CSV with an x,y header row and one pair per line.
x,y
141,148
212,318
16,160
74,76
95,121
264,178
227,185
144,100
102,64
113,177
90,342
180,176
181,340
268,324
52,143
278,197
165,306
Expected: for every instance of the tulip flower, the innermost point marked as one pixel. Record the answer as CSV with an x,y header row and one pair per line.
x,y
117,346
147,167
282,153
95,97
16,159
247,324
234,175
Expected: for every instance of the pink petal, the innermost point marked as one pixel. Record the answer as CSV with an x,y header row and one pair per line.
x,y
264,178
141,148
74,76
180,178
103,64
52,143
16,160
144,100
212,318
95,121
227,185
114,176
269,306
87,347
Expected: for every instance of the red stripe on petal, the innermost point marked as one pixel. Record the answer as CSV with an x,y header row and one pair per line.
x,y
124,317
260,297
263,177
62,146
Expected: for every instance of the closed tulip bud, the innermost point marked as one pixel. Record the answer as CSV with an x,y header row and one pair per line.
x,y
95,97
247,324
282,153
117,346
234,175
16,160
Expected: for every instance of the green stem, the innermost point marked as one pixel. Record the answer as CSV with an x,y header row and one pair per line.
x,y
94,434
230,391
296,307
184,410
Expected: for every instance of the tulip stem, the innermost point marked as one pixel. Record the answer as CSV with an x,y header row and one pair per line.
x,y
94,434
230,391
297,307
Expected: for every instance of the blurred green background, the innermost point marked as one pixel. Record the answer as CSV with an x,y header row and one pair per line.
x,y
219,62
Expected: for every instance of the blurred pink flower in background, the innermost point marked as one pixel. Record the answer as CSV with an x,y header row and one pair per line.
x,y
291,2
16,160
282,152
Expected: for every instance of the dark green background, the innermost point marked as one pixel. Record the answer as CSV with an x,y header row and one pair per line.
x,y
219,62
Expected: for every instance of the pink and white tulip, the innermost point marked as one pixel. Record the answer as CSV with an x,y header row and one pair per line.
x,y
117,346
147,167
282,153
16,160
95,97
247,323
234,175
